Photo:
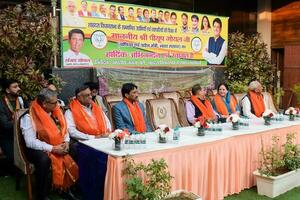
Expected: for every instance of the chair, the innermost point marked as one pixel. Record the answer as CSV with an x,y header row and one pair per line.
x,y
268,98
187,93
172,95
162,111
110,115
143,97
239,96
19,154
182,112
109,98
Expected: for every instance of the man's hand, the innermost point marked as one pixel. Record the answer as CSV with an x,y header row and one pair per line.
x,y
59,149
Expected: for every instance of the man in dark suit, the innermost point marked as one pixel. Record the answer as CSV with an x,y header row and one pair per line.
x,y
130,113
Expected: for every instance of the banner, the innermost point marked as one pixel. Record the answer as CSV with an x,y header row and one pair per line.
x,y
105,34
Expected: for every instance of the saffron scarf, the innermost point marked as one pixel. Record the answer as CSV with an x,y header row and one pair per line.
x,y
95,125
221,104
206,108
136,116
10,107
257,102
64,169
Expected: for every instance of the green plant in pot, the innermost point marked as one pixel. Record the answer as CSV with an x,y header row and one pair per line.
x,y
279,167
153,185
247,60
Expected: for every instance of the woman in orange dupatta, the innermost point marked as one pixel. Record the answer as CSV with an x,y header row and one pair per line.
x,y
199,105
224,103
51,128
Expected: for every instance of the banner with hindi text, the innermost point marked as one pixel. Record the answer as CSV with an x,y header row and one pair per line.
x,y
105,34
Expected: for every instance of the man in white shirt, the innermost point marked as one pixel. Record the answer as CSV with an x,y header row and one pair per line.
x,y
102,10
36,132
215,49
85,119
253,104
73,57
71,17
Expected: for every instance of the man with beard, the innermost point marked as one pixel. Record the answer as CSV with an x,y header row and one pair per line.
x,y
9,103
130,113
85,119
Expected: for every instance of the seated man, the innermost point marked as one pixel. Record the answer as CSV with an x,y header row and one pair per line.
x,y
94,87
85,119
47,141
253,104
199,106
130,113
10,102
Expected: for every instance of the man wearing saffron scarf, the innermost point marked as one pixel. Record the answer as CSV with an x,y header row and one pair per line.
x,y
47,141
130,113
253,104
199,106
9,103
85,119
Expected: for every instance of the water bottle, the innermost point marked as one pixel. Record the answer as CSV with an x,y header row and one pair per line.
x,y
176,135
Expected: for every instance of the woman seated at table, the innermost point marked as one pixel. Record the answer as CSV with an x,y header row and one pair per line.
x,y
199,105
224,103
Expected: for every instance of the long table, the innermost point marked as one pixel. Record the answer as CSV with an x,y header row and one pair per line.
x,y
212,166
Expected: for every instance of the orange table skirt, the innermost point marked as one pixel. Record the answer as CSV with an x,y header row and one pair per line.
x,y
212,170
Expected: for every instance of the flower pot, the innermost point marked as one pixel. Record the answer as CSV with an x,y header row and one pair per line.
x,y
267,121
201,131
118,145
235,125
162,139
272,186
292,117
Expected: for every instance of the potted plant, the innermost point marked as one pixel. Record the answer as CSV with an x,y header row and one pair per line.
x,y
201,124
147,181
267,115
118,135
234,118
278,171
247,60
291,112
296,91
163,131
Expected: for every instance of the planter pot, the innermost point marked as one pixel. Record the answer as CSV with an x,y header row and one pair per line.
x,y
182,194
273,186
201,131
292,117
267,121
118,145
162,139
235,125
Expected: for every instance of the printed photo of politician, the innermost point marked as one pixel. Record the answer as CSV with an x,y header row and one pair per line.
x,y
73,57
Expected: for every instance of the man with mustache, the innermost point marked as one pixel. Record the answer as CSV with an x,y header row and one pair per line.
x,y
9,103
130,113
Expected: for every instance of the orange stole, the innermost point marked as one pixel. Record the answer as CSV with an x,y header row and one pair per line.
x,y
257,102
86,123
221,106
136,116
207,110
64,169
